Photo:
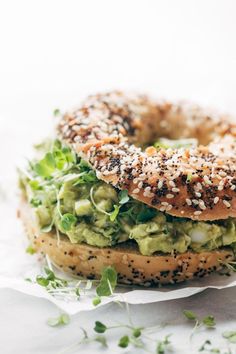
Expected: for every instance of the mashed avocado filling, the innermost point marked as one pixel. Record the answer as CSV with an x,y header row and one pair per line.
x,y
65,194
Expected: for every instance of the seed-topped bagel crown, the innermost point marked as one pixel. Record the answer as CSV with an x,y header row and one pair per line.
x,y
197,182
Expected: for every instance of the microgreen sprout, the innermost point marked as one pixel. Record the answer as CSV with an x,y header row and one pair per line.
x,y
47,228
207,321
132,336
69,290
229,265
108,282
30,250
230,336
61,320
123,199
124,341
94,203
67,221
207,347
56,112
163,345
189,177
58,159
72,289
139,337
96,301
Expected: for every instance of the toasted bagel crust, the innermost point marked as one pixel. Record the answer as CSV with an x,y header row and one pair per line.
x,y
197,183
131,266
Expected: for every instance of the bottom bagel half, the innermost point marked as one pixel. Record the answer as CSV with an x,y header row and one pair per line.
x,y
131,266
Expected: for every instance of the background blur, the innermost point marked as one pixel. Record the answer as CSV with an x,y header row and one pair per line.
x,y
55,52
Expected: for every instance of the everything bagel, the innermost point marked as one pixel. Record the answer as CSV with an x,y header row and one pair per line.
x,y
197,183
146,186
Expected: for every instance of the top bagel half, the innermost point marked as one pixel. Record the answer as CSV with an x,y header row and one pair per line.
x,y
114,132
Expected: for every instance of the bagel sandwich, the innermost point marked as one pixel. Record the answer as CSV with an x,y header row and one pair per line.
x,y
146,186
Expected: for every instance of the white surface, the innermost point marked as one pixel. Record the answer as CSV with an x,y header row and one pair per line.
x,y
23,327
52,53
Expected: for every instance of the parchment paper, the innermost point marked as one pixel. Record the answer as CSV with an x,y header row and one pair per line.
x,y
16,265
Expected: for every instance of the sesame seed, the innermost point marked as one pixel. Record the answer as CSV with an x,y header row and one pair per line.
x,y
175,190
134,163
226,203
216,199
222,174
136,191
151,195
140,184
169,196
188,201
199,186
218,177
206,180
107,173
202,205
160,184
198,212
195,201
